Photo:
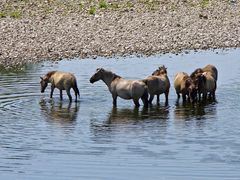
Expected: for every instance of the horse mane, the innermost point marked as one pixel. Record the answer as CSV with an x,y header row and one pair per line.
x,y
49,74
198,70
115,76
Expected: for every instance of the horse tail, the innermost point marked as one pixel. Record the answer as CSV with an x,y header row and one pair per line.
x,y
78,92
76,88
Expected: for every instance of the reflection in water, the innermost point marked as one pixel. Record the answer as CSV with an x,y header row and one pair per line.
x,y
126,116
201,110
120,120
59,112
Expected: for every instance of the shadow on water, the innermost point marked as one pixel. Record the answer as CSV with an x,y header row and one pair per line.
x,y
59,112
199,111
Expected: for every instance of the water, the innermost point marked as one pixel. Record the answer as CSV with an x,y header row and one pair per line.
x,y
48,139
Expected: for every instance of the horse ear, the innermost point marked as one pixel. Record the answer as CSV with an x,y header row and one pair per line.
x,y
41,78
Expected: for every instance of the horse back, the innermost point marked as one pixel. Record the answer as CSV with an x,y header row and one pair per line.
x,y
128,89
210,84
63,80
211,69
179,81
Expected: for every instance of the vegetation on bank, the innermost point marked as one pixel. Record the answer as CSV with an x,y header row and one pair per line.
x,y
35,8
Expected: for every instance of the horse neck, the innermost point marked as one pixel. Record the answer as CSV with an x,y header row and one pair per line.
x,y
49,76
108,78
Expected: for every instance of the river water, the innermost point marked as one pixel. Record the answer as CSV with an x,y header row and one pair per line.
x,y
43,138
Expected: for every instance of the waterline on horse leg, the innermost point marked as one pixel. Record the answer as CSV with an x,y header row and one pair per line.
x,y
136,102
61,96
114,101
150,99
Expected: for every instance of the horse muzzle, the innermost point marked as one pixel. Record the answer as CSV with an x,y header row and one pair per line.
x,y
91,81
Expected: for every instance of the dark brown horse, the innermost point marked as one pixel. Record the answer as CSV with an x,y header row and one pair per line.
x,y
62,81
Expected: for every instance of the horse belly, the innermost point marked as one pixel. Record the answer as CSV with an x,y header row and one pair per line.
x,y
124,94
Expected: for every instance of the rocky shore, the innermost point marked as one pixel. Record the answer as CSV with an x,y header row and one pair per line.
x,y
34,30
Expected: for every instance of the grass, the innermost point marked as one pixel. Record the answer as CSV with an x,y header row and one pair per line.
x,y
15,14
103,4
12,14
32,8
92,10
3,14
204,3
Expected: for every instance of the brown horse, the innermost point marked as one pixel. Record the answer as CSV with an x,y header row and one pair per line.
x,y
184,84
62,81
158,84
126,89
206,84
203,82
211,69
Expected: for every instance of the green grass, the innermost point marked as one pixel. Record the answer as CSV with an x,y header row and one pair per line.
x,y
103,4
12,14
204,3
15,14
92,10
3,14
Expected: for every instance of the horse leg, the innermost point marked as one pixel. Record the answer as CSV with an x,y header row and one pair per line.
x,y
69,95
213,93
158,99
61,96
136,102
75,88
204,95
166,97
184,97
114,101
178,95
151,98
51,93
199,96
145,99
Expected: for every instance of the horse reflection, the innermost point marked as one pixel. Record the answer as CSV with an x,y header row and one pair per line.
x,y
122,120
188,111
128,116
59,112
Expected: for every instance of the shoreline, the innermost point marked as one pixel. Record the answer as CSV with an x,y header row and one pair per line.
x,y
129,31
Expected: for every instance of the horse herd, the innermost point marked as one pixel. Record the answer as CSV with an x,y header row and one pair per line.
x,y
200,84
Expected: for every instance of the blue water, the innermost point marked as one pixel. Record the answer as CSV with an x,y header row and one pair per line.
x,y
49,139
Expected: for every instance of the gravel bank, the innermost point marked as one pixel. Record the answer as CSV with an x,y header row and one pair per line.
x,y
140,27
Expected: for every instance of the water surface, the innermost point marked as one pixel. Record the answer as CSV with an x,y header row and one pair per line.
x,y
49,139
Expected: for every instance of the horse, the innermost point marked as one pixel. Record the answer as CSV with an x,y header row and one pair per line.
x,y
184,84
197,77
211,69
158,83
206,84
62,81
125,89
